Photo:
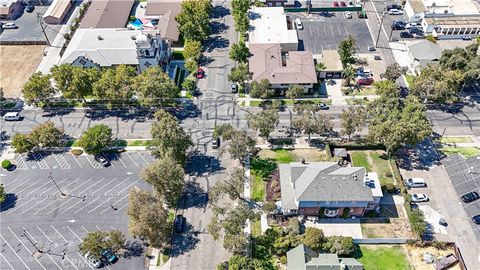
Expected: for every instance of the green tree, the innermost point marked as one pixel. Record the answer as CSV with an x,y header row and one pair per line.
x,y
154,86
313,238
239,74
311,122
22,143
240,6
241,145
189,84
232,186
295,91
115,84
75,82
192,50
241,22
3,195
194,19
148,218
341,245
166,177
437,85
97,241
388,88
47,135
37,89
261,89
393,72
353,120
320,66
96,139
349,74
238,262
264,121
191,65
239,52
225,131
169,138
346,50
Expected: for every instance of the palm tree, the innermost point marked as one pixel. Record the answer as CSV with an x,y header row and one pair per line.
x,y
349,74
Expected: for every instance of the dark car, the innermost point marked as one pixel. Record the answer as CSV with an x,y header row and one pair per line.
x,y
179,223
365,81
443,222
398,25
323,106
476,219
394,6
200,73
336,4
234,88
215,143
109,256
103,160
343,4
406,35
415,30
30,8
470,197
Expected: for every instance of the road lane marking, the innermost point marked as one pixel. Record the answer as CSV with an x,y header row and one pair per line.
x,y
21,164
5,241
143,158
93,162
11,267
134,163
84,229
54,261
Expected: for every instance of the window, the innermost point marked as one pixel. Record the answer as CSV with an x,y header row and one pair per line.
x,y
83,62
331,212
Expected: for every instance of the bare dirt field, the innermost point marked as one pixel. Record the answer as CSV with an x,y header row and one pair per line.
x,y
394,225
17,63
415,255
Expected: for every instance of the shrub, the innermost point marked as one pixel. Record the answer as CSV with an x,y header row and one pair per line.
x,y
77,152
66,36
441,245
6,164
390,188
274,184
346,212
283,260
293,227
341,245
388,174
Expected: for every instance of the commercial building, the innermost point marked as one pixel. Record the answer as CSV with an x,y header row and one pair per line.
x,y
10,8
109,47
107,14
57,11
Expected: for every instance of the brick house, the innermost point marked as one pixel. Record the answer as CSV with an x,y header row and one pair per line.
x,y
327,189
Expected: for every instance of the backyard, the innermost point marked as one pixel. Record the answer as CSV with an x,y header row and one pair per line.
x,y
287,156
376,161
382,257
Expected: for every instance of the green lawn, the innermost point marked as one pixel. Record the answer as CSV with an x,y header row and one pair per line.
x,y
256,227
138,142
364,92
456,140
357,101
284,156
360,159
255,103
383,257
375,161
464,151
410,79
258,188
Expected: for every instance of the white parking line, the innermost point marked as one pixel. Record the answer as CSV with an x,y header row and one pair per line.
x,y
70,191
21,164
46,182
134,163
86,205
93,162
70,262
61,161
59,183
84,229
11,189
25,247
65,210
29,186
119,159
99,205
96,182
143,158
24,211
11,267
42,163
78,162
44,207
115,203
87,263
66,241
98,189
125,205
38,228
64,187
18,207
74,234
5,241
106,192
127,187
54,261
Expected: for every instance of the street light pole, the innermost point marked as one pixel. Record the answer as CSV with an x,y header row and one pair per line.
x,y
61,192
380,28
24,234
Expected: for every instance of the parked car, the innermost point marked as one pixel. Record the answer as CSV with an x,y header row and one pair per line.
x,y
95,262
234,88
323,106
371,49
30,8
470,197
398,25
343,4
414,30
419,35
102,159
415,183
9,26
179,223
12,116
350,4
348,15
394,6
443,222
109,256
377,57
336,4
406,35
365,81
215,143
466,38
395,12
361,15
420,197
476,219
412,24
200,73
299,24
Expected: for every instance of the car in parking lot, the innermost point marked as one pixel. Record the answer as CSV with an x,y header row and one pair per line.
x,y
412,24
394,6
476,219
102,159
415,183
109,256
93,261
406,35
348,14
323,106
395,12
12,116
9,26
215,143
365,81
419,35
466,37
343,4
299,24
336,4
420,197
179,223
30,8
398,25
470,197
234,88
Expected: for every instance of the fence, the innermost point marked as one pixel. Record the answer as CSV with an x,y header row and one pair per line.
x,y
381,241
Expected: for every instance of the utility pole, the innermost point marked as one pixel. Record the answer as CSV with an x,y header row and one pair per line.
x,y
380,28
24,234
39,17
61,192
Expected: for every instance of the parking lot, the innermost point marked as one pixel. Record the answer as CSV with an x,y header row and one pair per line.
x,y
29,28
324,31
37,219
465,176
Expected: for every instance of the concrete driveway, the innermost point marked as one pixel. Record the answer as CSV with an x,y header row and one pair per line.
x,y
336,227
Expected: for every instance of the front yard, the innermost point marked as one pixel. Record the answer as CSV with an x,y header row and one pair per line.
x,y
467,152
376,161
382,257
287,156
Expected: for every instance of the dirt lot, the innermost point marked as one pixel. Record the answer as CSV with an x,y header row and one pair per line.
x,y
17,63
415,255
395,224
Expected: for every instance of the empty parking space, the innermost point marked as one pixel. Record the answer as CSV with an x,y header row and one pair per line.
x,y
326,30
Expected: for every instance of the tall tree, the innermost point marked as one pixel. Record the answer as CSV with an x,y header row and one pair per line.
x,y
37,89
154,86
194,19
166,177
192,49
353,120
320,66
393,72
3,195
349,74
311,122
169,138
242,23
241,145
386,88
264,121
75,82
22,143
97,241
295,91
231,186
437,85
261,89
115,84
239,74
346,50
96,139
240,6
148,217
313,238
47,135
239,52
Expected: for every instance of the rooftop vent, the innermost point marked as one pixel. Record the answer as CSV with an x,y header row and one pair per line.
x,y
99,37
133,37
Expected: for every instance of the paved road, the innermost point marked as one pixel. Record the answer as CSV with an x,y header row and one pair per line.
x,y
466,122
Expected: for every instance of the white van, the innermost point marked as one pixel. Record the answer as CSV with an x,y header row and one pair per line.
x,y
415,183
11,116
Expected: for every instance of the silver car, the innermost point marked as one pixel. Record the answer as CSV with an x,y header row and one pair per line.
x,y
420,197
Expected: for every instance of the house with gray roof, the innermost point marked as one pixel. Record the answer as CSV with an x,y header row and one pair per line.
x,y
304,258
423,53
327,189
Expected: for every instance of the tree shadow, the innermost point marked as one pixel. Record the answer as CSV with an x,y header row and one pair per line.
x,y
133,248
206,61
52,112
218,27
217,42
193,196
199,164
421,156
219,12
10,202
185,242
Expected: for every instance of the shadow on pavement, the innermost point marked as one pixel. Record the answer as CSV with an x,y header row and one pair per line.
x,y
219,12
200,164
133,248
185,242
193,196
10,201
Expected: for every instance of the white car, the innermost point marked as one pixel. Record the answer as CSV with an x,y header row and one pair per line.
x,y
9,26
348,14
419,197
95,262
394,11
299,24
410,25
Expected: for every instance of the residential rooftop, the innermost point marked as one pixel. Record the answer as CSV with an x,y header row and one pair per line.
x,y
304,258
165,11
107,14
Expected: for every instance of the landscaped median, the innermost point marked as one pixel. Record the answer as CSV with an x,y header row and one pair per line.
x,y
290,102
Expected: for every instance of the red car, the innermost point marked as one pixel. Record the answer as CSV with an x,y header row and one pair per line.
x,y
365,81
335,4
343,4
200,73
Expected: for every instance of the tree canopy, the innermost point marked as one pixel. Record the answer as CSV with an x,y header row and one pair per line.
x,y
264,121
261,89
37,89
295,91
192,50
154,86
3,195
75,82
312,122
115,85
437,85
239,74
353,120
346,50
194,19
232,186
96,139
393,72
97,241
239,52
42,135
